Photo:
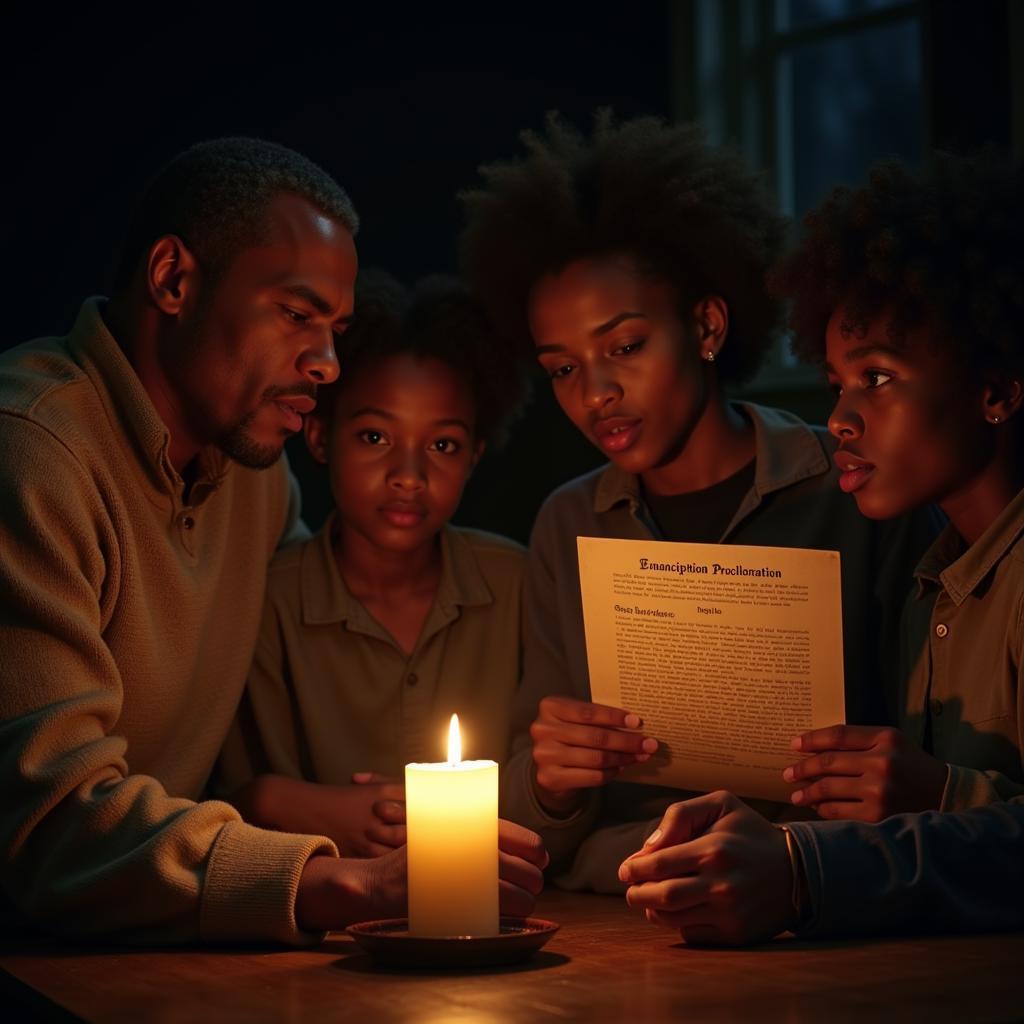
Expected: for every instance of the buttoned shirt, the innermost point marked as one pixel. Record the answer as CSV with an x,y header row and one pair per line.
x,y
331,692
962,656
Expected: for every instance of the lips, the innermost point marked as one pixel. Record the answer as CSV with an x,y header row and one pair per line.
x,y
616,433
854,471
403,514
293,407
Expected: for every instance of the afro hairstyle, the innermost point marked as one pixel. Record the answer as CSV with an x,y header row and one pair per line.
x,y
940,248
652,192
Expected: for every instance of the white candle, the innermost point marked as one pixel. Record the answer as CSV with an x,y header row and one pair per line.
x,y
451,813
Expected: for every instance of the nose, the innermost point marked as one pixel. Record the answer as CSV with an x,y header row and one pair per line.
x,y
845,421
599,388
406,473
318,362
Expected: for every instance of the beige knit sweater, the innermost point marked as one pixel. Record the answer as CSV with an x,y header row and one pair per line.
x,y
127,624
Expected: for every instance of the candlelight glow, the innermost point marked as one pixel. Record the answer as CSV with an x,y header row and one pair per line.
x,y
454,741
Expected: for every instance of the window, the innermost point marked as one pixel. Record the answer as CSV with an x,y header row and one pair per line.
x,y
812,91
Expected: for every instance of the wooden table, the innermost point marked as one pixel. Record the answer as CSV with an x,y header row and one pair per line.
x,y
606,963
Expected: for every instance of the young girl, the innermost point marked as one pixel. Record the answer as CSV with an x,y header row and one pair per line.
x,y
911,291
632,264
390,619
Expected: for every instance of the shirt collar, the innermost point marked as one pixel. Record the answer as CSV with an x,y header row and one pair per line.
x,y
787,450
129,406
327,599
961,569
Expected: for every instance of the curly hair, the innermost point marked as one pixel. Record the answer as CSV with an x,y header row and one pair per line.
x,y
653,192
940,247
214,197
438,319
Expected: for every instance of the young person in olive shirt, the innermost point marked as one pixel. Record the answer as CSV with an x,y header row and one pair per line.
x,y
390,619
631,263
143,497
909,290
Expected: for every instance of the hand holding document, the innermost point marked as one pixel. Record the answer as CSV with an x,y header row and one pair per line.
x,y
726,652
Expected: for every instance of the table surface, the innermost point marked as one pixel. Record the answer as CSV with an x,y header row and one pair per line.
x,y
606,963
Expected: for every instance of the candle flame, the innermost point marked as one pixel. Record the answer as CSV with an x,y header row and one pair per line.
x,y
454,741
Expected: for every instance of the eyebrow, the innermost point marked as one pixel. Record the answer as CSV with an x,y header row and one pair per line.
x,y
863,351
372,410
598,331
315,299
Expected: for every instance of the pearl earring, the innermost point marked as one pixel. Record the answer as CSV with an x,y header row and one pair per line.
x,y
709,356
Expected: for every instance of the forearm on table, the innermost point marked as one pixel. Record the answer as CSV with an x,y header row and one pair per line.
x,y
955,871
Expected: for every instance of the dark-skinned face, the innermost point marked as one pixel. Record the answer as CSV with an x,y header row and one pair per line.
x,y
908,419
622,364
252,346
399,449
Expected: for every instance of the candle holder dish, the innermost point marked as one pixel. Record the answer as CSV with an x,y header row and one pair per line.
x,y
390,943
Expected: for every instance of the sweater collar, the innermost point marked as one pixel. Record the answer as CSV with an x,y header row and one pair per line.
x,y
129,406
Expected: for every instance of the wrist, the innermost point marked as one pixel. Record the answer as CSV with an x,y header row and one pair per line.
x,y
799,892
557,804
332,893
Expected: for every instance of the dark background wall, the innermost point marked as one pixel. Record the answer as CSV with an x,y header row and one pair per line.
x,y
400,106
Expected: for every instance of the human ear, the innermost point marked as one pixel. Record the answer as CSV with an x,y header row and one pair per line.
x,y
712,317
477,453
171,270
315,430
1003,396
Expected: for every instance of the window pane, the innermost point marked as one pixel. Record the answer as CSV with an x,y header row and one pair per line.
x,y
851,101
793,14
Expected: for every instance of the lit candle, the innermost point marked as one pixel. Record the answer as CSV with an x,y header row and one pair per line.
x,y
451,811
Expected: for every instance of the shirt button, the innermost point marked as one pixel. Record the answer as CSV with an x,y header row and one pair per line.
x,y
936,707
941,630
412,679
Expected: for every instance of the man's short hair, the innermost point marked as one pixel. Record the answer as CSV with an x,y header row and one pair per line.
x,y
214,197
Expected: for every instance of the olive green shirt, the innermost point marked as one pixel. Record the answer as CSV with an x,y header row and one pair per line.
x,y
331,692
963,648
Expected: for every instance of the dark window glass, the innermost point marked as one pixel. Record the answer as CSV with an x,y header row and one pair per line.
x,y
796,14
853,100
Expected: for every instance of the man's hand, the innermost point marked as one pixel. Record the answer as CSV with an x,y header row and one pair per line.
x,y
366,819
578,745
336,892
865,773
716,870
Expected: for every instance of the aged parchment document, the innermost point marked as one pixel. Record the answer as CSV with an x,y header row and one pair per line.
x,y
726,652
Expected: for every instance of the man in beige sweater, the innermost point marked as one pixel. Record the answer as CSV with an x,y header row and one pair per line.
x,y
143,495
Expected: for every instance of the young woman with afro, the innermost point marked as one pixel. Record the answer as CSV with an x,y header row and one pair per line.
x,y
632,264
910,291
